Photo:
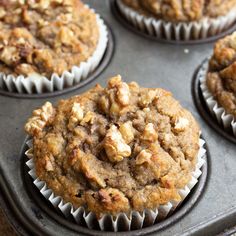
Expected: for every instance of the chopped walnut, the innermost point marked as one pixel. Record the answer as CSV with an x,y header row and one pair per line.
x,y
21,40
42,22
115,108
127,131
88,118
115,146
65,18
9,55
49,163
55,143
41,117
114,81
147,98
123,94
142,157
134,85
41,4
76,116
149,133
43,58
2,12
65,35
104,104
122,90
181,124
25,69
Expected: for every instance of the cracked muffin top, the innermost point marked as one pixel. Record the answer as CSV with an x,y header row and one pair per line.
x,y
221,78
182,10
45,37
115,149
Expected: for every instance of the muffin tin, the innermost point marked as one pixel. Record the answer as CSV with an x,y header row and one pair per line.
x,y
151,64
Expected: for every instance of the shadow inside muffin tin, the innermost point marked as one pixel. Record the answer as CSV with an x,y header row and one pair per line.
x,y
204,111
118,15
56,215
93,75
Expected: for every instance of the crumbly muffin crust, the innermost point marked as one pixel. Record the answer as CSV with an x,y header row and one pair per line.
x,y
45,37
221,78
182,10
115,149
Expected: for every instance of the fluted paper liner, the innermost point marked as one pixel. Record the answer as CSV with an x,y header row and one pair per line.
x,y
161,29
227,120
136,220
36,83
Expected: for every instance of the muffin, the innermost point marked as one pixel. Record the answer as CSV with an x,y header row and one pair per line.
x,y
47,39
185,19
117,150
217,82
221,78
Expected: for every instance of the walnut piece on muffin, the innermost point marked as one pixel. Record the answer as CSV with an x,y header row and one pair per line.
x,y
133,155
45,37
221,78
182,10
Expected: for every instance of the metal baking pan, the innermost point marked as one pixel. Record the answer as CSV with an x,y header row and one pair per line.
x,y
151,64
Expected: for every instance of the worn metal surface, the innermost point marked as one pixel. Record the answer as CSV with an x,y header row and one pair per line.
x,y
151,64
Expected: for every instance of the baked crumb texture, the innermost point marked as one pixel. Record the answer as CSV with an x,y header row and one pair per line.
x,y
115,149
221,78
45,37
182,10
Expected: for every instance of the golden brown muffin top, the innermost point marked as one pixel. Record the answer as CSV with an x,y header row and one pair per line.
x,y
115,149
221,78
45,36
182,10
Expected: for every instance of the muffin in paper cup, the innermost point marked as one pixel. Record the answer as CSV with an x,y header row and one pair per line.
x,y
180,29
116,158
62,74
122,222
223,118
217,82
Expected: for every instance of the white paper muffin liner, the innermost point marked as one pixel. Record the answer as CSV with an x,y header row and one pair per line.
x,y
161,29
36,83
227,120
136,220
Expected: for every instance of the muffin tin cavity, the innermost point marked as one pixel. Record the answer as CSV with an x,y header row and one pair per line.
x,y
204,111
92,76
48,209
137,27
